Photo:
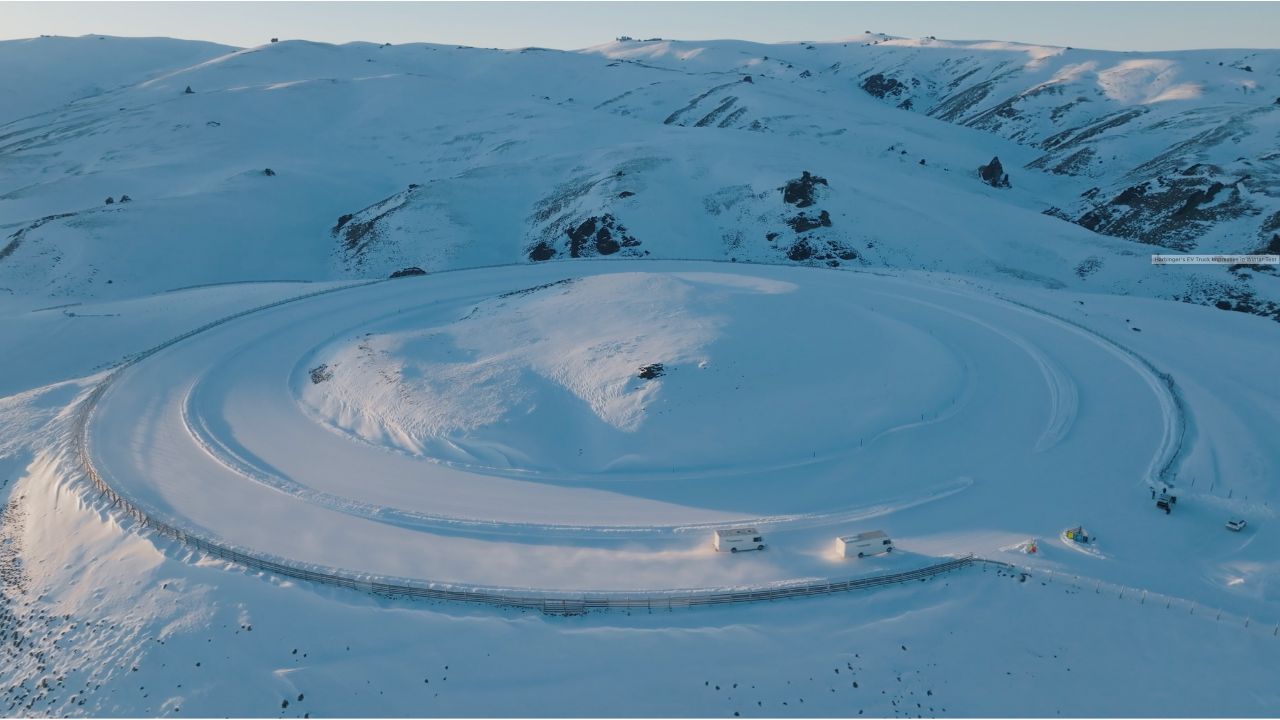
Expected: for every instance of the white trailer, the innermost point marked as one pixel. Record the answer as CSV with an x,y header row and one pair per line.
x,y
864,544
738,538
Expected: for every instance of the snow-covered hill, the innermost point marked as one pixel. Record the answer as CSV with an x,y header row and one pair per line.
x,y
1007,362
1180,149
308,161
43,74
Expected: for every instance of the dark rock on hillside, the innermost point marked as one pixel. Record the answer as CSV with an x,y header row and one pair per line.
x,y
881,86
800,250
652,372
722,115
1271,224
320,373
542,251
269,172
359,232
1088,266
593,236
803,223
575,220
993,174
831,252
815,243
188,91
603,235
408,272
800,192
1172,211
1235,298
110,201
15,239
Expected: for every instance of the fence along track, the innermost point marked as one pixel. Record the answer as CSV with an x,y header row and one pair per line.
x,y
552,603
566,603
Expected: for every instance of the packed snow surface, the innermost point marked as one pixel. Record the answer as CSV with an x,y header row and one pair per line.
x,y
793,399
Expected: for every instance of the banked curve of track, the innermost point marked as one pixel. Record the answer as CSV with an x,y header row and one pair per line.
x,y
519,597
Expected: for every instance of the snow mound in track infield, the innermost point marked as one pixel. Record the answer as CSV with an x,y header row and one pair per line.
x,y
632,372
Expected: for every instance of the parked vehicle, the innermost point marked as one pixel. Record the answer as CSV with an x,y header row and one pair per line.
x,y
738,538
864,544
1165,500
1236,525
1077,534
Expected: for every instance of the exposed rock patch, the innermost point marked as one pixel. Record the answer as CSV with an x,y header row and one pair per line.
x,y
542,251
803,223
881,86
320,373
993,174
15,239
652,372
602,235
359,232
1172,211
800,192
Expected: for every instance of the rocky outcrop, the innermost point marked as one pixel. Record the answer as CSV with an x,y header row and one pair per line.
x,y
542,251
408,272
652,371
829,251
800,191
579,217
360,232
1172,211
813,243
993,174
803,223
881,86
602,234
594,236
15,239
712,108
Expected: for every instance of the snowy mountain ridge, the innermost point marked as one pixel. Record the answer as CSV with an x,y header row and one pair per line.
x,y
464,156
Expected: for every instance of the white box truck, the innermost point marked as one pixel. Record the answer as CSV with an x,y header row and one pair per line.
x,y
864,544
738,538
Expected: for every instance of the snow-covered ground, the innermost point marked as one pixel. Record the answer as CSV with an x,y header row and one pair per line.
x,y
792,399
885,343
